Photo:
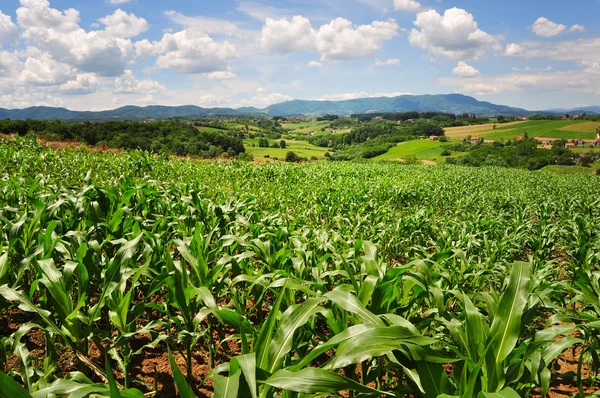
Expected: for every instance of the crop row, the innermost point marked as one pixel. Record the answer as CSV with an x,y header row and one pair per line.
x,y
328,279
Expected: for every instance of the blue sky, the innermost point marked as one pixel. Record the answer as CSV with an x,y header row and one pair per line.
x,y
109,53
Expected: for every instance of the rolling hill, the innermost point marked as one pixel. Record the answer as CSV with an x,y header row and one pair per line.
x,y
450,103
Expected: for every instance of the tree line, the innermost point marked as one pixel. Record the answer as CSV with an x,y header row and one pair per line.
x,y
175,137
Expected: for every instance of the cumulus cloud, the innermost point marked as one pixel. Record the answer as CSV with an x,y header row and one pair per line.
x,y
578,81
465,70
84,83
288,35
59,33
577,28
221,75
387,62
263,100
189,52
407,5
118,1
338,40
315,64
121,24
513,49
454,35
128,84
583,52
546,28
8,30
593,68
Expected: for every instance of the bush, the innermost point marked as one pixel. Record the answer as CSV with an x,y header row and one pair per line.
x,y
446,152
411,159
292,157
282,144
443,138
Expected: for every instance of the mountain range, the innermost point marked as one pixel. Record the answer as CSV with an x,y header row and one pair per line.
x,y
449,103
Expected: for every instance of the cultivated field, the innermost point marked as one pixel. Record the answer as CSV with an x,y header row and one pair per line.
x,y
475,130
568,129
130,274
300,148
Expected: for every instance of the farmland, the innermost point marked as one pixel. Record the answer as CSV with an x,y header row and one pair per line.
x,y
130,274
301,148
567,129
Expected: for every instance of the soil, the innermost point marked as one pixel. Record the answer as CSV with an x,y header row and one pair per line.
x,y
153,369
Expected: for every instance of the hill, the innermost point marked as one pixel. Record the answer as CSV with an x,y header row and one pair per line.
x,y
450,103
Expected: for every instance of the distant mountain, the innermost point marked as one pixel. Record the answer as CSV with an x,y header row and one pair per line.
x,y
124,113
450,103
577,111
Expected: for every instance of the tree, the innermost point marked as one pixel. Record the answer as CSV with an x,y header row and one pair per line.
x,y
291,157
501,119
282,144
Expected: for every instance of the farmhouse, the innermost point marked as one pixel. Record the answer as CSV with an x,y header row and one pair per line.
x,y
434,137
569,145
474,140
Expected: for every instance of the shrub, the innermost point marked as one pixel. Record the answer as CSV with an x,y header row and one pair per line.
x,y
292,157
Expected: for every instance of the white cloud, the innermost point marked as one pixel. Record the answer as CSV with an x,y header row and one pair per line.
x,y
513,49
593,68
212,101
210,26
577,28
10,65
189,52
283,36
8,30
40,69
315,64
454,35
338,40
465,70
407,5
59,33
577,81
128,84
263,100
387,62
361,94
118,1
546,28
121,24
83,84
221,75
261,11
583,52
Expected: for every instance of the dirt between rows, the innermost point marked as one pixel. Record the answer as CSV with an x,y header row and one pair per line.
x,y
153,371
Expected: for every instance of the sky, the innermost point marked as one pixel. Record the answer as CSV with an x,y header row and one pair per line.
x,y
103,54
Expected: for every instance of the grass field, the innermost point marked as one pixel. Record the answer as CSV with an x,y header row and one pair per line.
x,y
306,127
301,148
408,148
425,150
558,169
568,129
476,130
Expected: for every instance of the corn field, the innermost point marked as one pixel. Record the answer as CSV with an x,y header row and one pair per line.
x,y
130,275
